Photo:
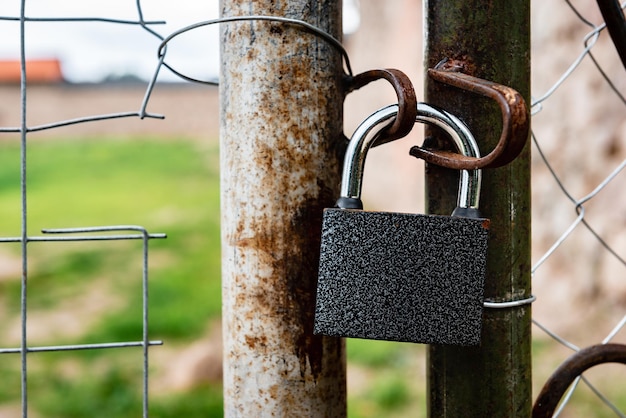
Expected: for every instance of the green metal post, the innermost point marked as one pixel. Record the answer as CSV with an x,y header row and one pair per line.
x,y
492,40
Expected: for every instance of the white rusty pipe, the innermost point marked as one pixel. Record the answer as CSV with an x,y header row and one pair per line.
x,y
281,129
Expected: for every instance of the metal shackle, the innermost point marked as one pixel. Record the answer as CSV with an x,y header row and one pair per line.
x,y
369,131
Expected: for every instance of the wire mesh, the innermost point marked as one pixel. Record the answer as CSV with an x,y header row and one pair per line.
x,y
578,139
86,234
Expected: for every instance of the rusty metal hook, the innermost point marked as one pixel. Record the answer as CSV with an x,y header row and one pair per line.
x,y
515,123
407,100
566,373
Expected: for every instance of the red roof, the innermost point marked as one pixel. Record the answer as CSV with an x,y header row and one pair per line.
x,y
38,71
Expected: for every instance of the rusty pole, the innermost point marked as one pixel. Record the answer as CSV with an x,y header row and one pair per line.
x,y
281,103
490,40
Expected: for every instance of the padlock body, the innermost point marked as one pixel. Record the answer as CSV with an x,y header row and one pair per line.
x,y
401,277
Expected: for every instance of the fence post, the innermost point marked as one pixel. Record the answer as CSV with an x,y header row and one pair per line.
x,y
493,40
281,104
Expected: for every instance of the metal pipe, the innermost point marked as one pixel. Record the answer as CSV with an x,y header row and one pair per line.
x,y
491,40
281,146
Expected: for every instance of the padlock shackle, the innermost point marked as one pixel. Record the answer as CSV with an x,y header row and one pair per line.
x,y
469,180
361,141
368,132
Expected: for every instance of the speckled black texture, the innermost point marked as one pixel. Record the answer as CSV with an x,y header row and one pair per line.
x,y
401,277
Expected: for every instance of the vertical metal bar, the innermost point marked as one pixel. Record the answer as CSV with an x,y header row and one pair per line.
x,y
145,321
491,40
280,144
24,226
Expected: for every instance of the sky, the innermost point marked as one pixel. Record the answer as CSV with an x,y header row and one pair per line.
x,y
91,51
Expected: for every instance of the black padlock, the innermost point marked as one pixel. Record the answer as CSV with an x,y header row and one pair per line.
x,y
399,276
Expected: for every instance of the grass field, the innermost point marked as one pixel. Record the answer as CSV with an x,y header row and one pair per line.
x,y
91,292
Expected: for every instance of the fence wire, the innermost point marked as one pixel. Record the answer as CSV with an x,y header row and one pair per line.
x,y
578,216
86,234
592,195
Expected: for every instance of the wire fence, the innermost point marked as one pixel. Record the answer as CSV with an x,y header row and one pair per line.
x,y
578,249
87,234
578,200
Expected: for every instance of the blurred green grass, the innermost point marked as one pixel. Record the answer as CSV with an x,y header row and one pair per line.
x,y
169,186
166,186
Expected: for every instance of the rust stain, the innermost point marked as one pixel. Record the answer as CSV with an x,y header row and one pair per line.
x,y
295,232
462,63
273,391
307,225
261,243
255,342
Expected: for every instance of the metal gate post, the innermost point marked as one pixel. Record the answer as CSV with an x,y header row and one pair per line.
x,y
491,40
281,104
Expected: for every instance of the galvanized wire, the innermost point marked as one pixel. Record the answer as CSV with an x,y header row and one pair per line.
x,y
255,18
578,204
24,226
88,234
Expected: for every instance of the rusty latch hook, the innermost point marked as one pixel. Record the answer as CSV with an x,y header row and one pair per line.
x,y
515,123
554,389
407,100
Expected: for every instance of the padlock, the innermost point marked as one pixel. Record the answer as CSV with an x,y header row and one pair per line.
x,y
400,276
